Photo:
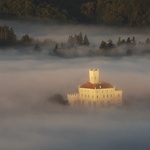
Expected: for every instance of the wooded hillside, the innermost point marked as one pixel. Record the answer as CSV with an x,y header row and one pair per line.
x,y
110,12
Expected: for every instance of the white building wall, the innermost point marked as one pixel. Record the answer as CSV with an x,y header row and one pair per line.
x,y
73,98
118,96
100,96
94,76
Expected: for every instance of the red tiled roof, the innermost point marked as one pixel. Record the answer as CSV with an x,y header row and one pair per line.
x,y
100,85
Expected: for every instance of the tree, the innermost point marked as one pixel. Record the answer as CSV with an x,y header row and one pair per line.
x,y
103,45
23,8
133,41
37,48
58,99
127,12
119,41
70,40
128,40
110,44
89,10
147,41
112,12
86,41
56,48
26,39
80,38
7,35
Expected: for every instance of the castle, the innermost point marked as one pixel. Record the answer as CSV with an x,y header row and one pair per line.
x,y
95,92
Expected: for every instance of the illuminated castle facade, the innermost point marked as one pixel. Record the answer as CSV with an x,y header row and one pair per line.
x,y
95,92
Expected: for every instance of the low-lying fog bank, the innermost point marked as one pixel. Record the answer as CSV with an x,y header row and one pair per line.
x,y
66,40
106,129
30,121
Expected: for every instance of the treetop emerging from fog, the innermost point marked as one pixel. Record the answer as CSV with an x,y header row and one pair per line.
x,y
110,12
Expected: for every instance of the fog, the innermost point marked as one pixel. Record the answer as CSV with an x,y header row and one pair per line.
x,y
29,121
60,33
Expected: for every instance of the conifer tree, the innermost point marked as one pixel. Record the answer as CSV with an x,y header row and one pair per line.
x,y
86,41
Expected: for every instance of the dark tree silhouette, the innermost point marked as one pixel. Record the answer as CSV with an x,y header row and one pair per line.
x,y
103,45
86,41
26,39
37,48
58,99
7,35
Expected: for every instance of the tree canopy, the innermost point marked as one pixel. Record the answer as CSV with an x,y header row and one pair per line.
x,y
7,35
110,12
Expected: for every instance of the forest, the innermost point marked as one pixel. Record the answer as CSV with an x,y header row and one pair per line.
x,y
76,45
135,13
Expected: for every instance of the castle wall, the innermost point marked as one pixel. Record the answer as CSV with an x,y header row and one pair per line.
x,y
87,96
73,98
100,96
118,96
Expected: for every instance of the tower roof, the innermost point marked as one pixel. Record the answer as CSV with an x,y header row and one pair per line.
x,y
94,69
100,85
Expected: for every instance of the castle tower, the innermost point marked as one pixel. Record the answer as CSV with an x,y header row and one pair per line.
x,y
94,76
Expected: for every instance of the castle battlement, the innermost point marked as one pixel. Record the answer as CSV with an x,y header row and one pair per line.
x,y
95,92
